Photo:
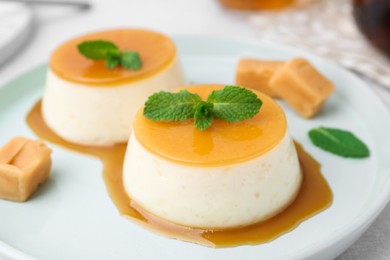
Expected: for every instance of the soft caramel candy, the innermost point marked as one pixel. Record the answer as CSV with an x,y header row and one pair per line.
x,y
255,74
301,86
24,164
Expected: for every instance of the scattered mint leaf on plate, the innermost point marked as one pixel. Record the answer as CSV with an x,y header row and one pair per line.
x,y
230,103
339,142
108,51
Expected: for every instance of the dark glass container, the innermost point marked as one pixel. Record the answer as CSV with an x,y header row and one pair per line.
x,y
373,19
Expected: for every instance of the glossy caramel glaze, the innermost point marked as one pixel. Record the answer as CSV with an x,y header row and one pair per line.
x,y
156,51
223,143
314,196
256,4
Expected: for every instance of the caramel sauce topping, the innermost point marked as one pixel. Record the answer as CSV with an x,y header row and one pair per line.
x,y
156,51
223,143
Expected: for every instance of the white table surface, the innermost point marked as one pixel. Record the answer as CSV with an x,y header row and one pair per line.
x,y
53,25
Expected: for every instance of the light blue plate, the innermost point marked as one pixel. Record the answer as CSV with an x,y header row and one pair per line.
x,y
72,217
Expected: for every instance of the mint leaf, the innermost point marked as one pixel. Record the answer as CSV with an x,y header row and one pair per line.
x,y
112,61
131,60
203,115
171,106
339,142
97,50
234,104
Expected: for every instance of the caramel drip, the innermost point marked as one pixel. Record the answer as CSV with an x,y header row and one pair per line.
x,y
314,196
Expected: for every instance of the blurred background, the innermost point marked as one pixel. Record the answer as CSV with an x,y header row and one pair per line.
x,y
352,33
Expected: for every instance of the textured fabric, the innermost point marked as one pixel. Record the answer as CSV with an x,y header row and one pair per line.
x,y
375,243
327,28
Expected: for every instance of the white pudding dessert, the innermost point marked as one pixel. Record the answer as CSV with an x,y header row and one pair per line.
x,y
87,103
230,175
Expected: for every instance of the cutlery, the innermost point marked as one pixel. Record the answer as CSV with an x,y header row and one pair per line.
x,y
78,4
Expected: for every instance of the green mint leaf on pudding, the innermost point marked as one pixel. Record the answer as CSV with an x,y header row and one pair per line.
x,y
112,61
230,103
339,142
97,50
171,106
108,51
203,115
131,60
234,103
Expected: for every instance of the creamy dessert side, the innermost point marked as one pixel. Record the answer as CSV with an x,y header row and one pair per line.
x,y
230,175
93,102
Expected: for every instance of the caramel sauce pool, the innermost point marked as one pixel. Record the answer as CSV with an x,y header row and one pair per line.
x,y
313,197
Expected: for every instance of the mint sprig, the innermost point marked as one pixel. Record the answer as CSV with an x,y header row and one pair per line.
x,y
108,51
339,142
231,103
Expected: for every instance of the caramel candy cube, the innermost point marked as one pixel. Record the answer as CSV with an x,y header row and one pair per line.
x,y
24,164
255,74
302,87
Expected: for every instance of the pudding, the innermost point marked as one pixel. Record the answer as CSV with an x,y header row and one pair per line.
x,y
86,103
231,175
313,197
